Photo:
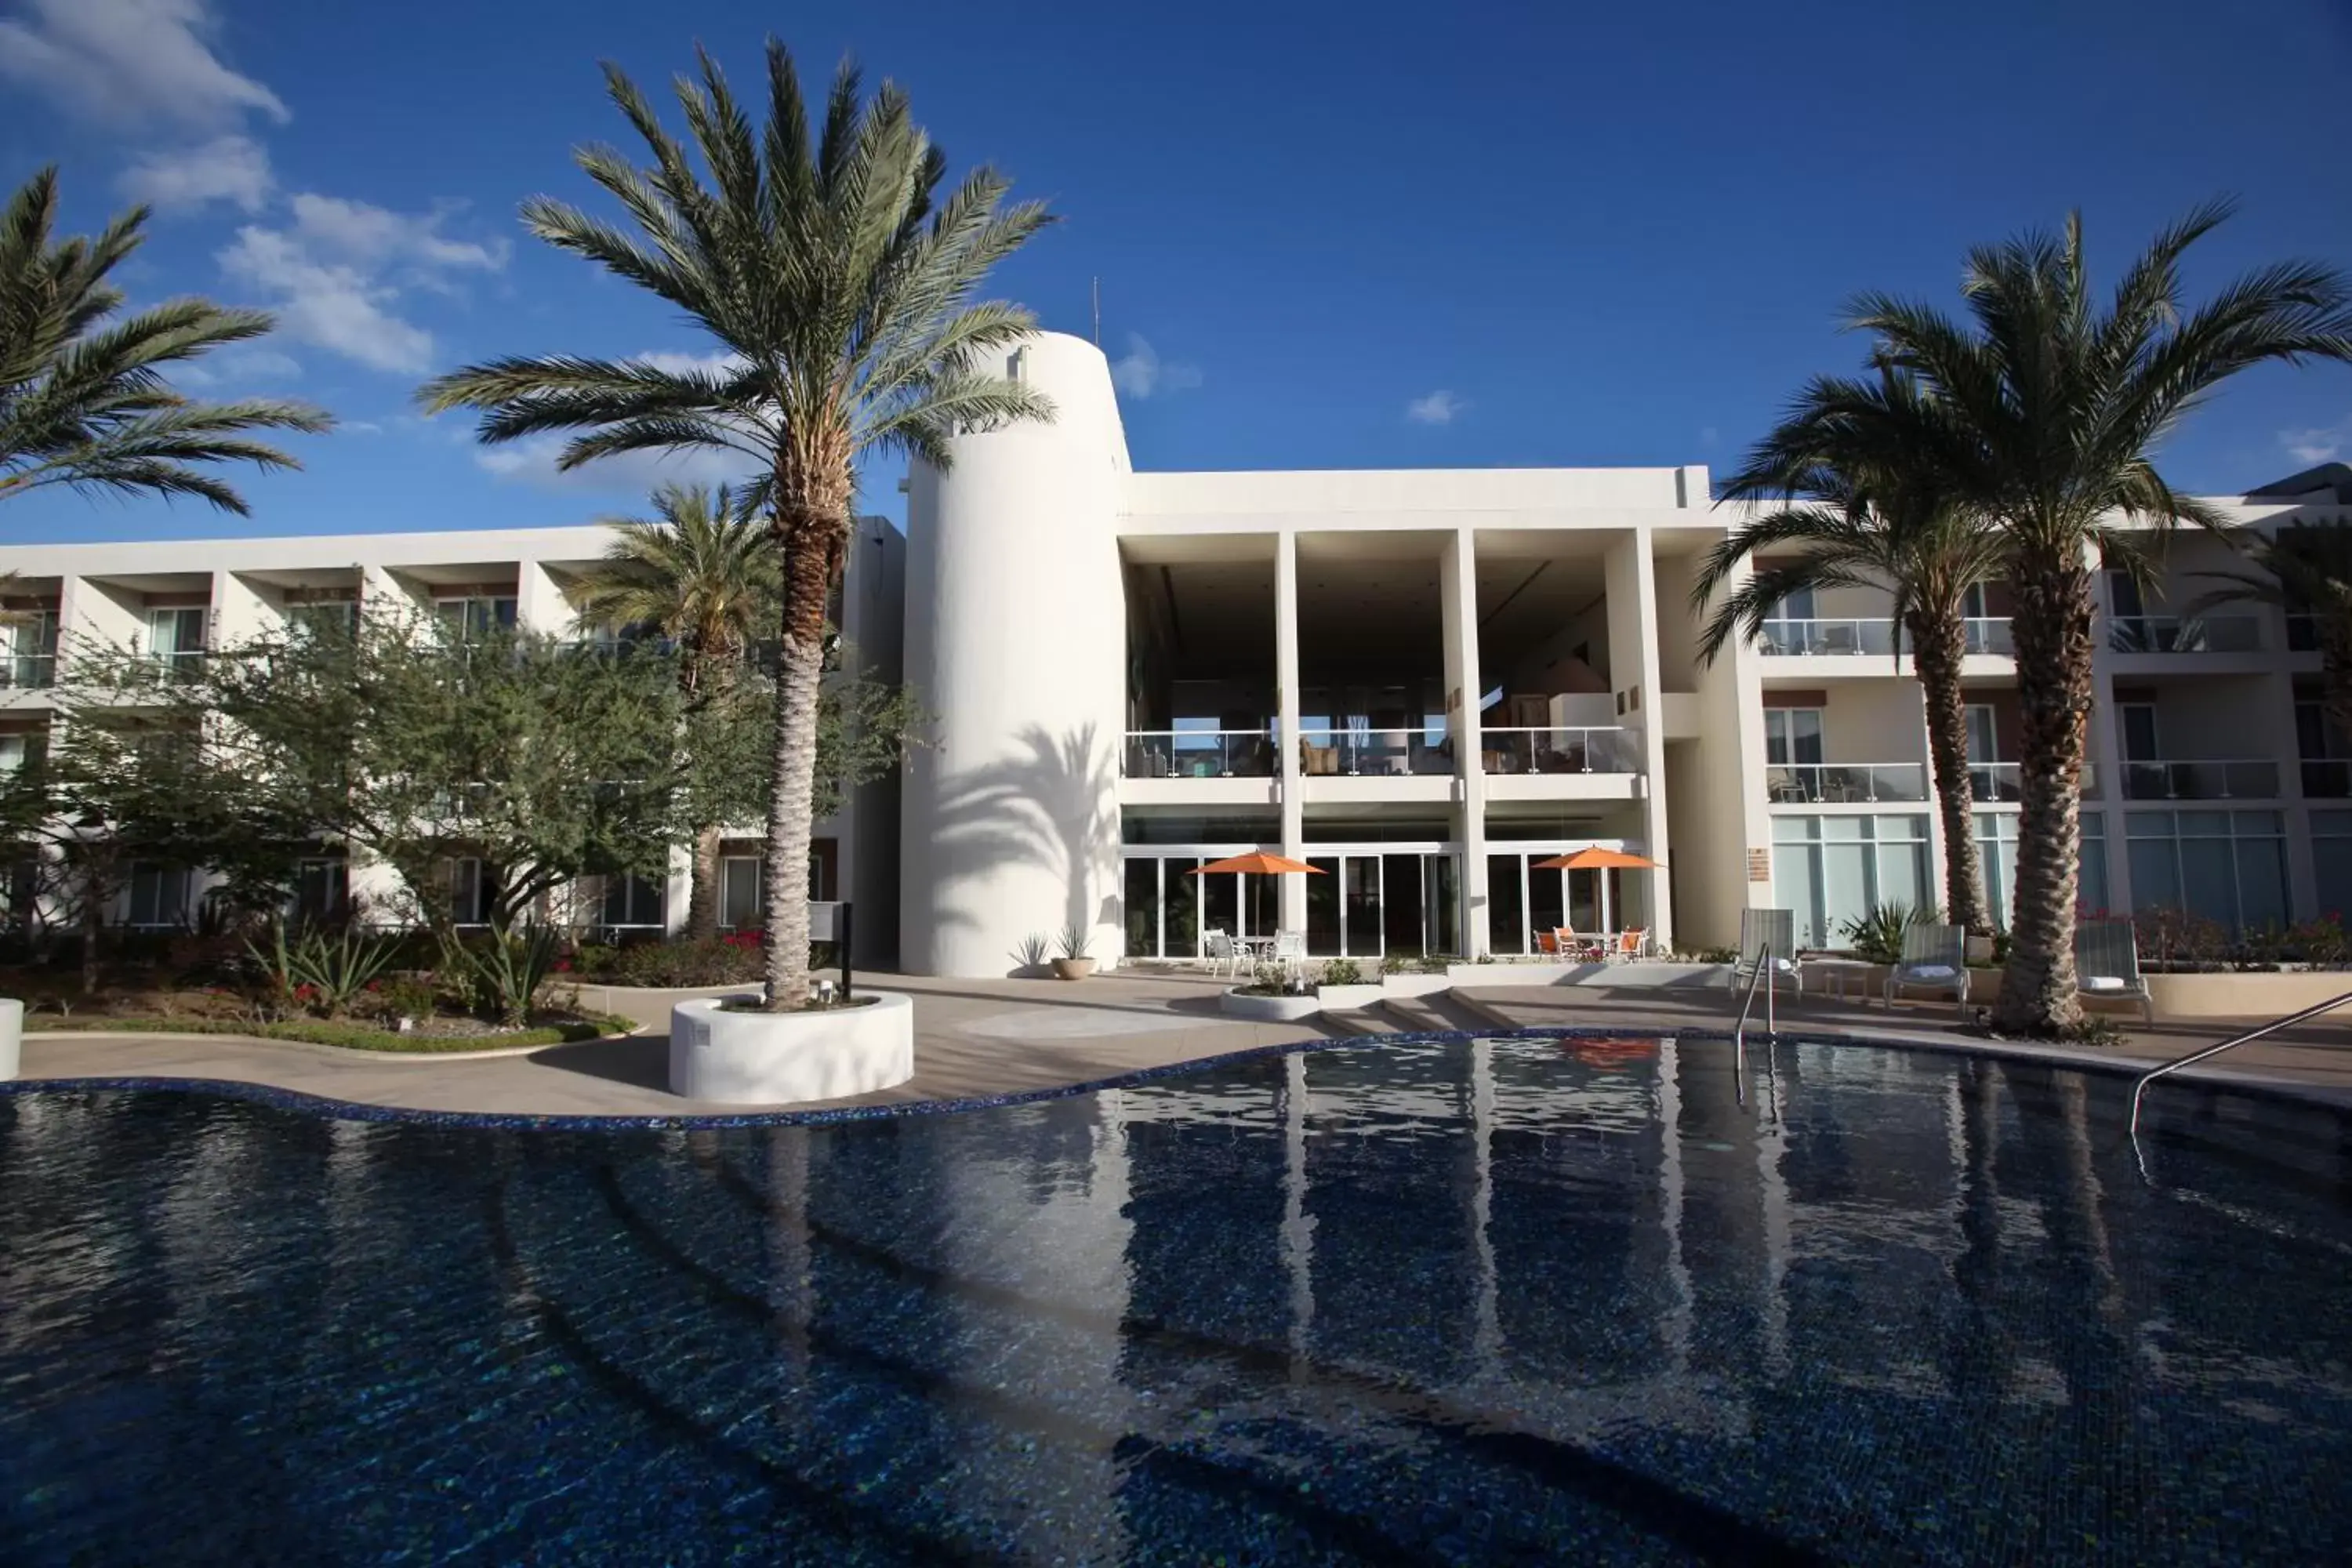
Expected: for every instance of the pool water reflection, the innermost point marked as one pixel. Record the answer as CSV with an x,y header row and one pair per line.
x,y
1507,1299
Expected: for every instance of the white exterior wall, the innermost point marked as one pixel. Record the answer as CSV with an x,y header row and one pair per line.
x,y
1017,650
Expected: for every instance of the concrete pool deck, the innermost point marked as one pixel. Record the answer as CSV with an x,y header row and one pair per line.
x,y
977,1039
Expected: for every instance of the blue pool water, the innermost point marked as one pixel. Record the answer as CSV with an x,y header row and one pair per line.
x,y
1506,1301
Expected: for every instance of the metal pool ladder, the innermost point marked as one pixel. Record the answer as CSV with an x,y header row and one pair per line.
x,y
2139,1089
1763,977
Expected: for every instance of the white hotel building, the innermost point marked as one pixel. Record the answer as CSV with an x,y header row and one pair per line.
x,y
1420,682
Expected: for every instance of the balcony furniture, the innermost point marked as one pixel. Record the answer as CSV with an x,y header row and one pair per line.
x,y
1773,929
2106,962
1935,958
1783,786
1318,761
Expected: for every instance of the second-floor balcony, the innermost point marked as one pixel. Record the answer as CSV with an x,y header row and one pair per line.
x,y
2327,778
1858,635
2185,633
29,671
1200,753
2204,778
1845,783
1590,750
1391,753
2003,783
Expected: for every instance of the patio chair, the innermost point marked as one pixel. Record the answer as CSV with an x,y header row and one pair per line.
x,y
1290,950
2107,963
1934,958
1769,929
1629,944
1222,953
1548,942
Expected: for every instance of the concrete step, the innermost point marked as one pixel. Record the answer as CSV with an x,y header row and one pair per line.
x,y
1459,1016
1356,1021
1415,1015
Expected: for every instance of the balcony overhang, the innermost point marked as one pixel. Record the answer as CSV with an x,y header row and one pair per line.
x,y
1566,787
1200,792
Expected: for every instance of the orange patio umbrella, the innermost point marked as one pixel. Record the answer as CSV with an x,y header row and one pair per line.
x,y
1258,863
1594,858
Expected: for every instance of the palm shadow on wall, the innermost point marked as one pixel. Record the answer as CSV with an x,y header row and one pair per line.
x,y
1048,805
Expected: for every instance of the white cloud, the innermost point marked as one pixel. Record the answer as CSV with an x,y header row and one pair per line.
x,y
1440,408
239,366
2319,444
337,276
532,461
673,360
227,169
1140,372
132,62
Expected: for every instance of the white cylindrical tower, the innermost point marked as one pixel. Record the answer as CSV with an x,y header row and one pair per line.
x,y
1016,648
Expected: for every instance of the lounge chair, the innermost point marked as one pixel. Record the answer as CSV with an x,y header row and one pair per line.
x,y
1774,929
1935,958
2107,963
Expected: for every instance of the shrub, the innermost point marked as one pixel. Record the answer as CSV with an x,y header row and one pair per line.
x,y
502,971
1075,942
671,966
1341,971
328,972
1032,950
407,996
1877,937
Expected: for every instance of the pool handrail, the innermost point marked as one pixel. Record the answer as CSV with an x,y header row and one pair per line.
x,y
1762,975
2140,1088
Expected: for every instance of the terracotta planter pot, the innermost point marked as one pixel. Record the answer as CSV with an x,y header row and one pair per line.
x,y
1072,968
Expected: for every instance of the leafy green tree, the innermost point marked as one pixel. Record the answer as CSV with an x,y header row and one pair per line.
x,y
823,262
543,761
83,399
703,577
2305,569
2043,412
1859,509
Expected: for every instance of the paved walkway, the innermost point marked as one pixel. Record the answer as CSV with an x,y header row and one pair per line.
x,y
981,1037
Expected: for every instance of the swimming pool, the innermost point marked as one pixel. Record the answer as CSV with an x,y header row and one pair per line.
x,y
1476,1301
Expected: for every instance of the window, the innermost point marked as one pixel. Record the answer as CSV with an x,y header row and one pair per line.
x,y
2141,743
2124,602
13,752
473,618
335,617
176,638
1997,850
742,897
1984,735
633,902
2331,862
2225,866
31,639
1972,603
158,895
1793,736
322,885
471,891
1832,869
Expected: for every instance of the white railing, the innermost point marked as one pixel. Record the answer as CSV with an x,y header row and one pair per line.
x,y
1587,749
2185,633
1382,753
1854,635
1200,753
1845,783
1988,633
2204,778
2004,782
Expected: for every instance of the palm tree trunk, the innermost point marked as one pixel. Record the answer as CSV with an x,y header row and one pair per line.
x,y
702,892
1938,643
808,583
2051,627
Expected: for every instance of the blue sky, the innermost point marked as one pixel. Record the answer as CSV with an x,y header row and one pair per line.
x,y
1354,234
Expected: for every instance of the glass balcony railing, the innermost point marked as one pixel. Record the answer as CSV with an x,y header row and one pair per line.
x,y
1988,633
1995,783
1845,783
2204,779
28,671
2302,632
1585,749
2185,633
1386,754
2327,778
1827,636
1200,753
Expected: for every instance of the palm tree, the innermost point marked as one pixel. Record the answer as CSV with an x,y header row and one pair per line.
x,y
1858,515
2047,410
703,577
839,291
2306,569
83,402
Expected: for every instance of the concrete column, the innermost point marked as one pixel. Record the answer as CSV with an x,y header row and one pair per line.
x,y
2103,749
1286,697
540,604
1457,579
1630,577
